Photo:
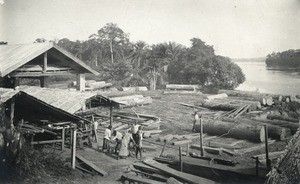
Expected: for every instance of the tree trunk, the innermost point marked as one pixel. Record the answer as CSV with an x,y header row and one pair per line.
x,y
274,131
225,105
292,126
254,133
277,117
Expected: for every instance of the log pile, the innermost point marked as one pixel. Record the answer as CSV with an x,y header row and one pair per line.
x,y
229,104
137,88
182,89
132,100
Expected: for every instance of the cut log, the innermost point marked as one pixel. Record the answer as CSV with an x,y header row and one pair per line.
x,y
153,131
274,131
121,127
137,88
189,178
91,165
181,142
182,87
99,85
272,155
215,151
139,179
166,138
230,105
221,95
245,131
278,117
117,94
149,148
183,92
286,124
124,98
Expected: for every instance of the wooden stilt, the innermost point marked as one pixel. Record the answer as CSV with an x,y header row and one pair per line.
x,y
63,138
180,159
12,112
111,115
188,149
73,151
201,139
267,148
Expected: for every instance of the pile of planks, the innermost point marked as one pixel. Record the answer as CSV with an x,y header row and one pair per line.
x,y
182,89
152,172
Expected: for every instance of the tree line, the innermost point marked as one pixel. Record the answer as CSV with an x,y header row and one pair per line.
x,y
285,59
126,63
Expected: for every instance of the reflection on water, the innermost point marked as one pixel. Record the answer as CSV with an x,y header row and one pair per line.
x,y
271,81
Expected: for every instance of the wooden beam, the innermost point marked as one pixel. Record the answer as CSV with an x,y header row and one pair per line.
x,y
80,85
189,178
39,74
63,138
45,142
73,148
140,179
111,115
91,165
45,61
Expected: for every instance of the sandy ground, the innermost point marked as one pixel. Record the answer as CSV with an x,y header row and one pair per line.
x,y
175,119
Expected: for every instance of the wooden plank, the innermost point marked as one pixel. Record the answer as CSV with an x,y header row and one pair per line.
x,y
154,176
177,174
144,167
91,165
139,179
46,142
181,142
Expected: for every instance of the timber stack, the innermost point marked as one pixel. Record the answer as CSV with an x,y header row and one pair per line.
x,y
182,89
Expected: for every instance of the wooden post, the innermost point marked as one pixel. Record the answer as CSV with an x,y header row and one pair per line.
x,y
256,165
80,83
45,62
44,81
180,160
267,148
63,138
111,115
163,149
188,149
73,148
12,112
201,139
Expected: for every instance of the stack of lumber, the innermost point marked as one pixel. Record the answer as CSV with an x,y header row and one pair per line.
x,y
263,98
132,100
230,104
160,173
182,89
136,88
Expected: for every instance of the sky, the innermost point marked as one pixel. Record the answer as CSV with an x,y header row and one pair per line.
x,y
236,28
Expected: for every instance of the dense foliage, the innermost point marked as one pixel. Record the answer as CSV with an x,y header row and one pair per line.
x,y
287,59
110,52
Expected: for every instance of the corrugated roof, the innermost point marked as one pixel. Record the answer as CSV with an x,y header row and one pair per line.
x,y
67,100
14,56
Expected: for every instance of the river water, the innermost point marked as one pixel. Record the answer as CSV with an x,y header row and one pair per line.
x,y
269,81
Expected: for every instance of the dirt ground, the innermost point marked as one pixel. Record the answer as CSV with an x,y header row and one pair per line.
x,y
175,119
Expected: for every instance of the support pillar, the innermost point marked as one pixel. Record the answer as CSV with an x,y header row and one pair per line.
x,y
12,112
44,82
73,147
80,83
111,115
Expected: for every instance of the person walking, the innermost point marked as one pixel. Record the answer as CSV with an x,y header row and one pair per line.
x,y
196,120
106,138
139,145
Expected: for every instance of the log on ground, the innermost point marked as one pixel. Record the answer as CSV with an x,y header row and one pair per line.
x,y
254,133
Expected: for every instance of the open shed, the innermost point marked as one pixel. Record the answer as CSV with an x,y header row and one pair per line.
x,y
39,61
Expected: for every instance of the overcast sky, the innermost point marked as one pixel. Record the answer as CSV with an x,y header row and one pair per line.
x,y
236,28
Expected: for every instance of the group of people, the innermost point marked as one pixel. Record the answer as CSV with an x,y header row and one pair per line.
x,y
122,143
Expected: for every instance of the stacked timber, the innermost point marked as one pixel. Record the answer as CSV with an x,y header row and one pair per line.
x,y
284,118
286,124
228,105
218,96
254,133
132,100
263,98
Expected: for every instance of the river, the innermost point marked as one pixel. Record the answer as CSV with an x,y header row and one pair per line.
x,y
269,81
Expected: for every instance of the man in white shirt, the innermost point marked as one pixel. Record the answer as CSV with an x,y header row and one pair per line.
x,y
117,136
106,138
196,120
134,131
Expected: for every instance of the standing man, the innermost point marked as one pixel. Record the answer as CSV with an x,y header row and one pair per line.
x,y
196,120
106,138
139,145
134,131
